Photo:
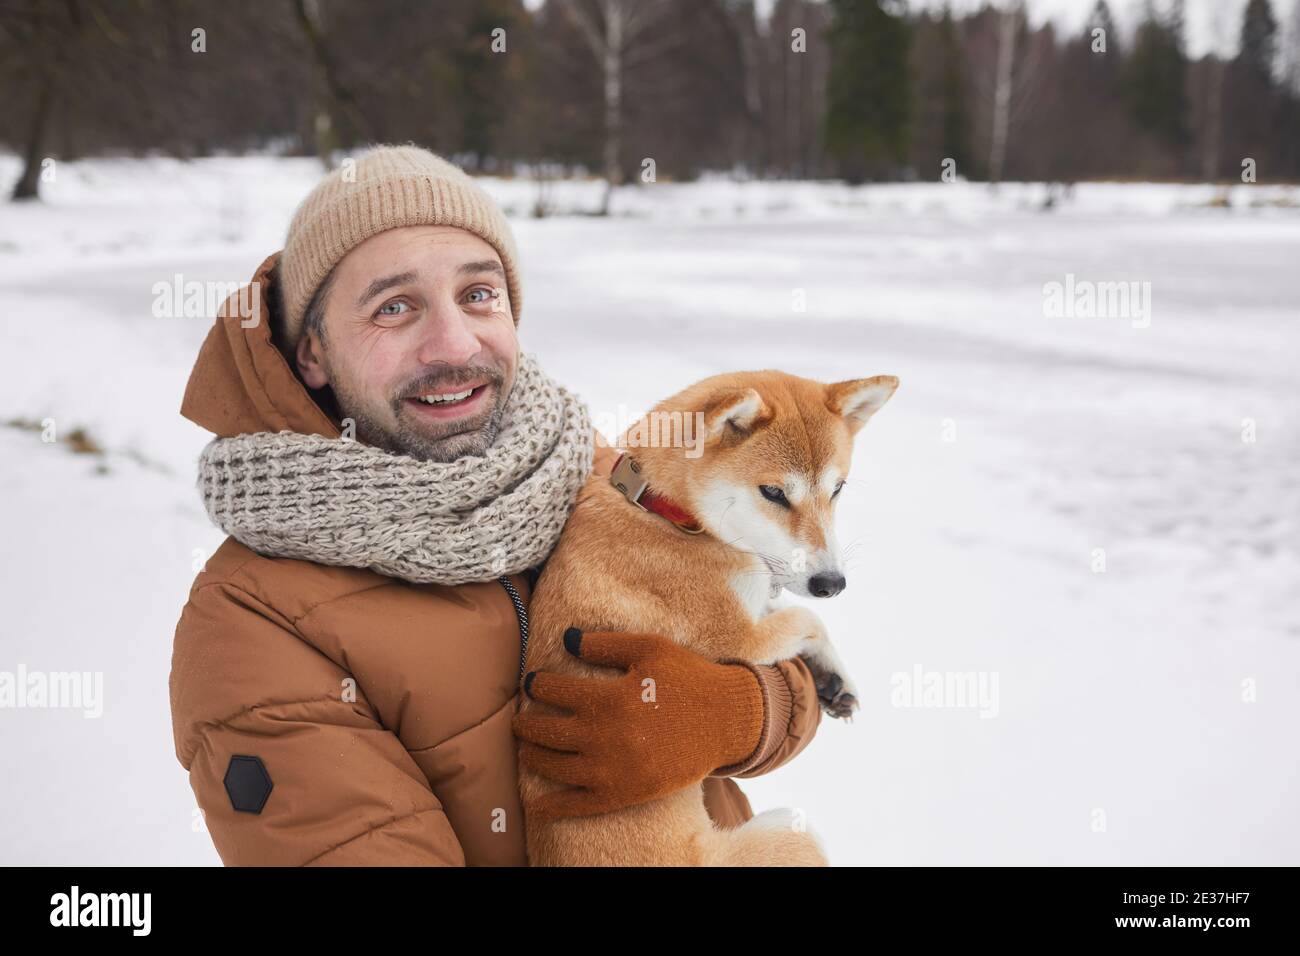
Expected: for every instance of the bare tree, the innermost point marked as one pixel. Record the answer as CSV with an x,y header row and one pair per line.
x,y
1291,52
46,35
1214,95
1008,22
335,103
617,32
28,185
748,43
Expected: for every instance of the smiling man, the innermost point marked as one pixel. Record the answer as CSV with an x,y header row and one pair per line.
x,y
392,471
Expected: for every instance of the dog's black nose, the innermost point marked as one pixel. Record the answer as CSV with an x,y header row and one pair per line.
x,y
826,584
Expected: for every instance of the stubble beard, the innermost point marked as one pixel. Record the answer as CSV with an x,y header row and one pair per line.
x,y
425,441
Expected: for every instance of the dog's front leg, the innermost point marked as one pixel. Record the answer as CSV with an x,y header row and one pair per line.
x,y
795,631
783,634
835,689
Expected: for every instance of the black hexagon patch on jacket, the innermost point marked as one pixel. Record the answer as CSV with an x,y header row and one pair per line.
x,y
248,784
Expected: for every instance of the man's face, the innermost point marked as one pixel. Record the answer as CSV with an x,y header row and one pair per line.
x,y
419,342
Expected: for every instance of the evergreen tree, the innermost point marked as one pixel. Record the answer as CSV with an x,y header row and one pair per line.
x,y
485,85
1156,71
955,126
1101,18
1259,39
869,88
1256,108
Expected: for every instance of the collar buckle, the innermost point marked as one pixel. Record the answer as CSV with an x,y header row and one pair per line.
x,y
627,478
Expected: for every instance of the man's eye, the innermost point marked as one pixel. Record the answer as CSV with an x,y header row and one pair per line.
x,y
481,295
773,493
395,304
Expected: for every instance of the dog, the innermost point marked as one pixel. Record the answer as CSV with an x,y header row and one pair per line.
x,y
749,513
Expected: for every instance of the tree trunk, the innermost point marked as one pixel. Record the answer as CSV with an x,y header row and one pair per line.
x,y
1002,94
335,104
1213,122
612,63
751,80
29,183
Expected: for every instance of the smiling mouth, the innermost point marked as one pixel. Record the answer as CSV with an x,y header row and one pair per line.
x,y
446,398
449,402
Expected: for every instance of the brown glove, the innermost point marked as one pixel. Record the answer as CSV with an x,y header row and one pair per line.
x,y
671,720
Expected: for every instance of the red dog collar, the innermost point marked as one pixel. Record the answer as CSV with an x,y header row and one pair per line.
x,y
627,478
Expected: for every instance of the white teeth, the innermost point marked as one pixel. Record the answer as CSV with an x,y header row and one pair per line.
x,y
450,397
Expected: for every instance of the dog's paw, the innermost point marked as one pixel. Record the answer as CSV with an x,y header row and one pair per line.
x,y
836,694
836,699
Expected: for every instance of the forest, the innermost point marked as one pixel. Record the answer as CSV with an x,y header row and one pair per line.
x,y
859,90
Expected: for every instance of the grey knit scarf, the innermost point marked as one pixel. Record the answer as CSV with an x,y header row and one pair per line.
x,y
341,502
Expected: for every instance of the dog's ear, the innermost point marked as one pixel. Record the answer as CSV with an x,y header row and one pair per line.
x,y
860,398
734,412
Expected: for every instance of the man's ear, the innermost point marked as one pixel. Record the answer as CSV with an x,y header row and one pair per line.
x,y
734,412
310,366
858,399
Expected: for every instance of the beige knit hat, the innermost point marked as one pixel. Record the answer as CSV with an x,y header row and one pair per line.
x,y
388,187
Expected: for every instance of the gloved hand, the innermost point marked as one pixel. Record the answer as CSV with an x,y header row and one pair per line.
x,y
671,720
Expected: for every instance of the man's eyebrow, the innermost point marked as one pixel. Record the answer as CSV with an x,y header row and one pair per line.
x,y
386,282
483,265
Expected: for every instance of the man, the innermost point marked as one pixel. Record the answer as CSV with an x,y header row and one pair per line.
x,y
392,471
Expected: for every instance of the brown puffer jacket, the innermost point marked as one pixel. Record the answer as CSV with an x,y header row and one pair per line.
x,y
334,716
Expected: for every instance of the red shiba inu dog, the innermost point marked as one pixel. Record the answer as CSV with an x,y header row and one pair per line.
x,y
751,508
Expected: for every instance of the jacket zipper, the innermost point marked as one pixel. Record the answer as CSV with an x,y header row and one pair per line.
x,y
521,613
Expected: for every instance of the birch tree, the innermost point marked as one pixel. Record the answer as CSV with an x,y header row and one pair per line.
x,y
1008,25
618,33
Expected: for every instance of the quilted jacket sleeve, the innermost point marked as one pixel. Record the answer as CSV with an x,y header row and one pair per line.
x,y
288,763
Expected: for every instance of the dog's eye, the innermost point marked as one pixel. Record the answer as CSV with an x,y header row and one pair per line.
x,y
773,493
838,489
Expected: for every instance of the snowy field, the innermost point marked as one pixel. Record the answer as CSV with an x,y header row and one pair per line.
x,y
1147,713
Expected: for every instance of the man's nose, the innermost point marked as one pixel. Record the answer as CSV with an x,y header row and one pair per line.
x,y
447,337
826,584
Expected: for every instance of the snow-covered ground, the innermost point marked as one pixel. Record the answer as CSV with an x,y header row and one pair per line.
x,y
1145,714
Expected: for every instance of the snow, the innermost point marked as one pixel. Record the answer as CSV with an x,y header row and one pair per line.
x,y
1016,446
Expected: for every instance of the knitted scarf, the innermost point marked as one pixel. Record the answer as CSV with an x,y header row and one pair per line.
x,y
341,502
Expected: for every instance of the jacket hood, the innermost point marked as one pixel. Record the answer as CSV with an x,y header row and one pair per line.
x,y
241,383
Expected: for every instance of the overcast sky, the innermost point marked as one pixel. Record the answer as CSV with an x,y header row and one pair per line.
x,y
1211,24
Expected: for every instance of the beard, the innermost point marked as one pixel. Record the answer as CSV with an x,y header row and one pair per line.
x,y
424,440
